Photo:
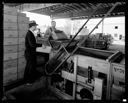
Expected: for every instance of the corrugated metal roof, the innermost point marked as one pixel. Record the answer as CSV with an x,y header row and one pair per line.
x,y
72,9
13,4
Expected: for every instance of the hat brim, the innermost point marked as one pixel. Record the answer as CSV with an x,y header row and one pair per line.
x,y
33,24
36,24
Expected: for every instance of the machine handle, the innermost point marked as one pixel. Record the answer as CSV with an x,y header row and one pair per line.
x,y
90,74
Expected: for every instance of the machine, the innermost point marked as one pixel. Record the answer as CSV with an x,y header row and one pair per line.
x,y
81,79
85,73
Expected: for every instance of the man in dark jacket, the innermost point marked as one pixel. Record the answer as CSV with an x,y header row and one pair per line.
x,y
30,73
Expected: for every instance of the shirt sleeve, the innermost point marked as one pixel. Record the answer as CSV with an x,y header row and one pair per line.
x,y
47,33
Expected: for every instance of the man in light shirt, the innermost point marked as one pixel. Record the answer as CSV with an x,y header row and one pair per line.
x,y
50,32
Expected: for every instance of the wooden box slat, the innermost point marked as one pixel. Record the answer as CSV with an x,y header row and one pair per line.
x,y
10,33
10,63
10,48
10,56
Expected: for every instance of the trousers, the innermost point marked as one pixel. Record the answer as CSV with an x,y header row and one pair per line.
x,y
30,73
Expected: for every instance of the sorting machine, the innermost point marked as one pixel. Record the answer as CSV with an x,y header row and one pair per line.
x,y
81,73
91,74
78,72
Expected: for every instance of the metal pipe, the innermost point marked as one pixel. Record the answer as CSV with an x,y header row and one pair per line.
x,y
83,25
101,21
103,27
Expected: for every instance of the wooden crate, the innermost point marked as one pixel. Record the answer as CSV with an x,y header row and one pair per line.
x,y
20,54
10,74
10,56
21,47
9,10
23,26
10,48
22,19
10,33
21,61
21,67
10,18
22,33
9,79
21,41
21,14
9,71
10,26
10,63
10,41
21,74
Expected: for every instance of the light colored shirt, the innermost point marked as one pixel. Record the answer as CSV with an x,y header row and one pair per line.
x,y
33,32
49,32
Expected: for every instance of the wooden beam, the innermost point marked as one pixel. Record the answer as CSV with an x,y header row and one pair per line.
x,y
32,6
75,14
61,9
62,15
67,8
71,9
101,11
83,6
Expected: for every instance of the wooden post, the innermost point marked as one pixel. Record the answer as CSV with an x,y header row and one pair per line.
x,y
75,76
102,26
108,82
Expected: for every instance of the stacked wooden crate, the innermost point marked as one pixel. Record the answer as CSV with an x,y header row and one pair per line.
x,y
12,45
22,30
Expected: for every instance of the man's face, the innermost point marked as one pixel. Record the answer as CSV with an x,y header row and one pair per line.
x,y
34,28
53,24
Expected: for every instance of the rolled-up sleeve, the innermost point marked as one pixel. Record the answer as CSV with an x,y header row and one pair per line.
x,y
47,33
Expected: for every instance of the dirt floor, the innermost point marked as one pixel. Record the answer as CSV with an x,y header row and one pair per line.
x,y
37,91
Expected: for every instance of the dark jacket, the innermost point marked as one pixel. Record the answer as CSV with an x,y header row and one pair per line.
x,y
30,43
